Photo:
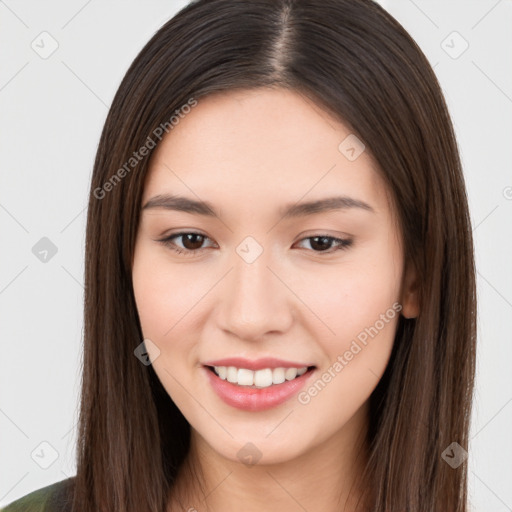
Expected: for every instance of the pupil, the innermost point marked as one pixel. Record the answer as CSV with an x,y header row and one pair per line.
x,y
324,245
187,240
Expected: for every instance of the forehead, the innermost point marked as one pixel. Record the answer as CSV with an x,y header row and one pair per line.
x,y
255,147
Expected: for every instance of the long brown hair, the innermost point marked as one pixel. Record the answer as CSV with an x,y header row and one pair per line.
x,y
359,64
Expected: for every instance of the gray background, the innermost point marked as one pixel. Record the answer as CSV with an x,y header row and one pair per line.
x,y
52,112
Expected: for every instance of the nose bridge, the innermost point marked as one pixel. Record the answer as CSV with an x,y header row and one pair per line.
x,y
254,301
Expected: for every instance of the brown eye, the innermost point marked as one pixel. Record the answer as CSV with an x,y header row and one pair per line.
x,y
323,243
191,242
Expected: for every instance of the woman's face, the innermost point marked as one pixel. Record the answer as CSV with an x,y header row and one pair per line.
x,y
274,291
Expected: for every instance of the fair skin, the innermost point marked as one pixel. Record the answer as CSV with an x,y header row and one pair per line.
x,y
250,153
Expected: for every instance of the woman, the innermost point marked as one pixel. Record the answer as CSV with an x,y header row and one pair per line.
x,y
279,286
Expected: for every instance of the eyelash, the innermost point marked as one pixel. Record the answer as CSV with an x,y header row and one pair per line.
x,y
343,244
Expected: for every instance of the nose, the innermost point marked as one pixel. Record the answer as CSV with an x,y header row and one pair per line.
x,y
253,300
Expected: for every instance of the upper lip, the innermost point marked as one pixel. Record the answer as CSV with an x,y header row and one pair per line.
x,y
257,364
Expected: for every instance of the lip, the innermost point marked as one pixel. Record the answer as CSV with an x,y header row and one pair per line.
x,y
258,364
254,399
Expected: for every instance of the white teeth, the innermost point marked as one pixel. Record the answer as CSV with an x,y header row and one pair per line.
x,y
290,373
278,375
259,378
245,377
263,378
222,372
232,375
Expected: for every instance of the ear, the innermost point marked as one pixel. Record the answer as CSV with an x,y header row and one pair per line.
x,y
410,294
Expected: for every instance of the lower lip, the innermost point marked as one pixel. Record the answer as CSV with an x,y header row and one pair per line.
x,y
254,399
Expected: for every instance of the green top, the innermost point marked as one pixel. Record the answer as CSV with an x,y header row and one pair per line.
x,y
51,498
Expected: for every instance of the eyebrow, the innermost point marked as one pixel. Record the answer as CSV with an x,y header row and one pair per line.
x,y
188,205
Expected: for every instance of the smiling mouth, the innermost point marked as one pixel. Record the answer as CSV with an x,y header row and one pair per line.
x,y
258,379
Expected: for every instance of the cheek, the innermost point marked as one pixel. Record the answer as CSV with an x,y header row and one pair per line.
x,y
165,294
353,295
358,301
165,299
171,301
356,358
